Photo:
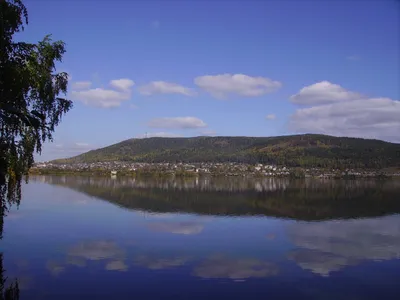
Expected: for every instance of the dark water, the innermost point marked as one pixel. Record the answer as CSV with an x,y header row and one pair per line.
x,y
104,238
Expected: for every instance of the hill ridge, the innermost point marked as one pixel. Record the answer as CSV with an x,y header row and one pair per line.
x,y
305,150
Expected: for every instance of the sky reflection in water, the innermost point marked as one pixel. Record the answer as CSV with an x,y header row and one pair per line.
x,y
164,239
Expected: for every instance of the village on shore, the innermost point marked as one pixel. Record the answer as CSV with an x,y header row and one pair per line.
x,y
198,169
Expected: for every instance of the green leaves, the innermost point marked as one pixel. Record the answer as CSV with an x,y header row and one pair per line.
x,y
38,115
32,121
30,102
11,115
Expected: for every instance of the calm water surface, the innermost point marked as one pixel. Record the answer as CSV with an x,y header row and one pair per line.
x,y
105,238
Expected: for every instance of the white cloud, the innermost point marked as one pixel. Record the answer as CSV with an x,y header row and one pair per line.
x,y
123,84
220,86
178,122
270,117
105,98
346,114
158,134
100,97
323,92
81,85
162,87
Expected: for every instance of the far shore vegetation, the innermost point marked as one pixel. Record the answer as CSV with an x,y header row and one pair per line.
x,y
251,171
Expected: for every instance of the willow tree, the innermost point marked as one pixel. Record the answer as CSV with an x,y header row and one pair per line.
x,y
30,103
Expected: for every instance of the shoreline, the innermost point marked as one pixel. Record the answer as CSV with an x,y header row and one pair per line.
x,y
189,174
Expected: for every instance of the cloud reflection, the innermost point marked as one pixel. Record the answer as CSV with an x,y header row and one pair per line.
x,y
157,263
158,215
75,261
116,265
97,250
55,267
236,269
318,262
325,247
79,254
186,228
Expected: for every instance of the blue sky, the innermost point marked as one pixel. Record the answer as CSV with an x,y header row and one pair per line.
x,y
254,68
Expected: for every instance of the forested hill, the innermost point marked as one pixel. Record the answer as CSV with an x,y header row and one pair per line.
x,y
307,150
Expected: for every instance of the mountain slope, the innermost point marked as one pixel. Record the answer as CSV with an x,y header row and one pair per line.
x,y
297,150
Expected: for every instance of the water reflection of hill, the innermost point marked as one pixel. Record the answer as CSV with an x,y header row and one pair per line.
x,y
305,200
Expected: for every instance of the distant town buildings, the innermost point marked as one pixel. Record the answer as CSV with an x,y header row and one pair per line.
x,y
217,169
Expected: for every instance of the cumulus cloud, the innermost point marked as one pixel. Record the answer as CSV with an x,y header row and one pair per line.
x,y
223,267
100,97
325,247
123,84
158,134
336,111
177,123
270,117
323,92
81,85
185,228
162,87
223,85
105,98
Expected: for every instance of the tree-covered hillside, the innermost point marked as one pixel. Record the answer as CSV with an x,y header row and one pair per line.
x,y
307,150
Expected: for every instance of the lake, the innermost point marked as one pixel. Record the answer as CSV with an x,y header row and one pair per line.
x,y
204,238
